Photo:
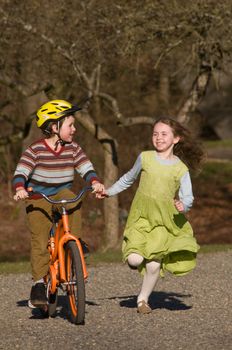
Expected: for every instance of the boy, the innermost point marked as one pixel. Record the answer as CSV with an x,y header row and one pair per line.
x,y
48,165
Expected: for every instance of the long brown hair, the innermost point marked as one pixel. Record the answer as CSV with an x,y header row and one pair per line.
x,y
188,149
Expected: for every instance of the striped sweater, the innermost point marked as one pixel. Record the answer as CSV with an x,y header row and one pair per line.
x,y
48,171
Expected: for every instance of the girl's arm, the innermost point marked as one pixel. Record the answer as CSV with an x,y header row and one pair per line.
x,y
126,180
185,192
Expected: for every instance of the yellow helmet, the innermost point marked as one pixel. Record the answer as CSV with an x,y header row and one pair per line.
x,y
54,110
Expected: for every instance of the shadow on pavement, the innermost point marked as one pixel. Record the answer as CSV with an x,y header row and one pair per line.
x,y
61,311
159,300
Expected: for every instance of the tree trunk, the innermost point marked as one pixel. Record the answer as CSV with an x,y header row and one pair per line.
x,y
111,212
196,93
164,90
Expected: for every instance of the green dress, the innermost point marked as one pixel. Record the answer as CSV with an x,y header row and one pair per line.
x,y
154,228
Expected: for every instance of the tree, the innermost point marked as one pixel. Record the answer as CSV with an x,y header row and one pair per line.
x,y
133,62
182,37
91,84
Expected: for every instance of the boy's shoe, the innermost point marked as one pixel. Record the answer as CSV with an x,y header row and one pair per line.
x,y
30,305
38,295
85,247
143,307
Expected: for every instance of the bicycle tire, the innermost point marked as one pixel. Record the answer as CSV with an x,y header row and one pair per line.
x,y
76,283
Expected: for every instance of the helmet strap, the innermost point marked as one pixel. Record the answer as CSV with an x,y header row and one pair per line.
x,y
59,142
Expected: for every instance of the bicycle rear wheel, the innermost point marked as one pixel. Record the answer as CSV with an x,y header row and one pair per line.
x,y
76,283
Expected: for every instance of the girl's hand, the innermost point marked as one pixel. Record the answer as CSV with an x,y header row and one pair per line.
x,y
102,195
21,194
179,205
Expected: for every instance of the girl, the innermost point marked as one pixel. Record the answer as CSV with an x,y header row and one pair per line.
x,y
157,236
49,165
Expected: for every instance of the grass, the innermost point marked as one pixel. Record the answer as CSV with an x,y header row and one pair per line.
x,y
221,172
111,256
218,144
98,258
93,260
15,267
215,248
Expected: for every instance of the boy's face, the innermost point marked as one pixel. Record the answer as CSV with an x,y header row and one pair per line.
x,y
68,129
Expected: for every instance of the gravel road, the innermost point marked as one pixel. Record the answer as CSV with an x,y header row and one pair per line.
x,y
190,312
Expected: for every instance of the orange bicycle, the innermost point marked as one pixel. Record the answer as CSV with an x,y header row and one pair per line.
x,y
67,268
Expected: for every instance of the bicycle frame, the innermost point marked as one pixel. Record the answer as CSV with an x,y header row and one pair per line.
x,y
56,249
58,238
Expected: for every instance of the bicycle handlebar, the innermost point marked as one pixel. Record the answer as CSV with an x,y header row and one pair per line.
x,y
62,201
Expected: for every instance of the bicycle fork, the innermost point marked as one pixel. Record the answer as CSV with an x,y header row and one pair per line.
x,y
56,247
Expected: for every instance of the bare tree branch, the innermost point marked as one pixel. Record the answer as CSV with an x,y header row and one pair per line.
x,y
197,92
113,102
11,84
9,139
136,121
166,51
32,30
19,87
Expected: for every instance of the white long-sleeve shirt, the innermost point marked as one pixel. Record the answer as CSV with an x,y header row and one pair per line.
x,y
185,191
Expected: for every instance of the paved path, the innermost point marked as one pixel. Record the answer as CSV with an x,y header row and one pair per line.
x,y
190,312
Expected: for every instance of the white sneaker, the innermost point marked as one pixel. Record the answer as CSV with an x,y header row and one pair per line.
x,y
31,306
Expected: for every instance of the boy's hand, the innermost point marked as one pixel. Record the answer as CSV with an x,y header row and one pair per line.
x,y
21,194
179,205
98,189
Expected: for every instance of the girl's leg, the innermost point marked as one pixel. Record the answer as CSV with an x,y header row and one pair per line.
x,y
149,280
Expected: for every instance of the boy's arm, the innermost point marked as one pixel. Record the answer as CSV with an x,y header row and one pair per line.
x,y
126,180
23,170
85,169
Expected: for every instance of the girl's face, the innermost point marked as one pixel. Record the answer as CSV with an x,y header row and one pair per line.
x,y
67,130
163,137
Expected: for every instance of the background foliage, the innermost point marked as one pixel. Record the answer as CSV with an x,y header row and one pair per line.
x,y
131,59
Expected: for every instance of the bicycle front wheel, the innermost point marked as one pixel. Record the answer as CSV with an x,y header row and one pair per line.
x,y
75,283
